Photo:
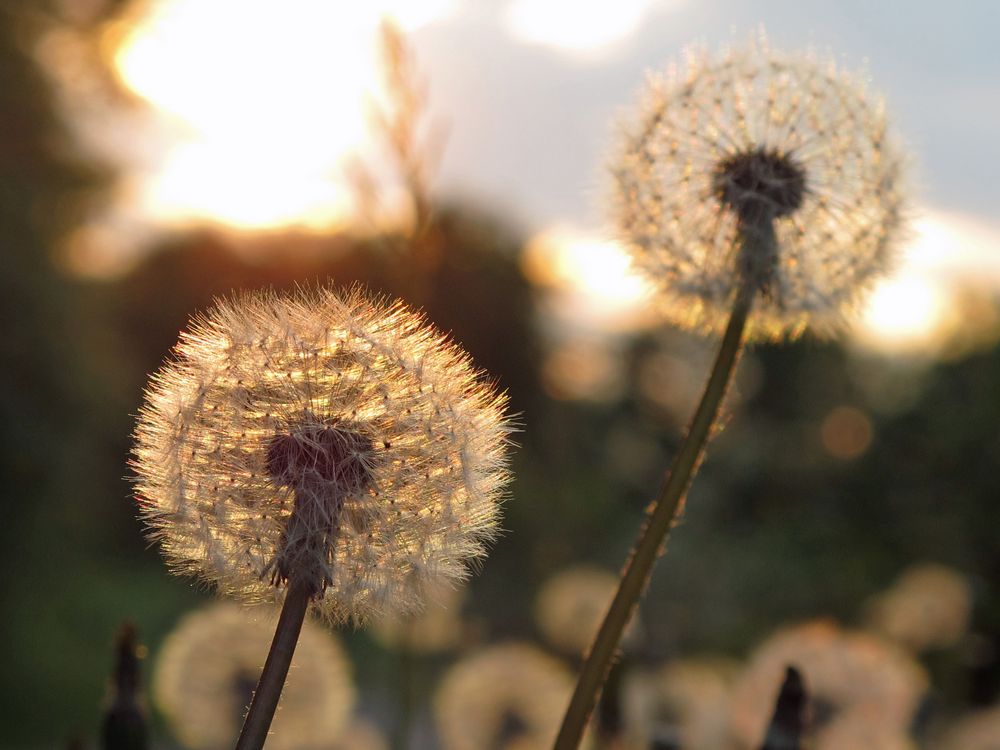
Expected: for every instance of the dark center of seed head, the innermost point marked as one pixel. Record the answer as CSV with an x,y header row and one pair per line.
x,y
332,454
761,184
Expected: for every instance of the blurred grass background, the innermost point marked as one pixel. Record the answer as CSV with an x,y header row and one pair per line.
x,y
792,516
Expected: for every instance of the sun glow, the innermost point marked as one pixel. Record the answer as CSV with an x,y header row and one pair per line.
x,y
905,310
573,26
263,101
590,276
942,295
941,302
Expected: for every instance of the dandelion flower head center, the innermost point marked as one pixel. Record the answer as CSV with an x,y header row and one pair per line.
x,y
512,728
760,184
324,464
316,455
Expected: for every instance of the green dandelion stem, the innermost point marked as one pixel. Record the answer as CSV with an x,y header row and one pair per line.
x,y
662,514
272,678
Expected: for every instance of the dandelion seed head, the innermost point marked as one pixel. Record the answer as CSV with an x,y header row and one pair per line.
x,y
342,441
859,731
929,607
688,697
849,677
976,730
752,140
208,668
359,735
507,696
571,605
439,627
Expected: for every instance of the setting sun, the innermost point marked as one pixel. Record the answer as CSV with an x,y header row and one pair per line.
x,y
574,27
590,275
262,104
935,298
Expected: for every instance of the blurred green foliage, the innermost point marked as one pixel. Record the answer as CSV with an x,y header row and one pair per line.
x,y
776,527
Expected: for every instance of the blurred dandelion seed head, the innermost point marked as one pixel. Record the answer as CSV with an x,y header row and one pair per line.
x,y
439,627
208,667
571,605
849,676
343,441
854,731
734,144
686,697
977,730
930,606
359,735
507,696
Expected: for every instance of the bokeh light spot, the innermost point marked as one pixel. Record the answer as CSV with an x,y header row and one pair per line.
x,y
846,432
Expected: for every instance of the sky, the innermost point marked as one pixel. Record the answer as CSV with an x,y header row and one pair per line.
x,y
537,117
256,108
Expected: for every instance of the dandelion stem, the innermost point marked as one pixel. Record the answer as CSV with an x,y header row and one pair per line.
x,y
660,518
272,679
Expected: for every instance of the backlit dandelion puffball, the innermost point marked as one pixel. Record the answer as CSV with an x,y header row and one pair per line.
x,y
735,145
208,666
341,443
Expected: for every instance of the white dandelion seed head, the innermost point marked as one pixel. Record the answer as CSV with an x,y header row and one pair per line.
x,y
725,145
340,440
208,668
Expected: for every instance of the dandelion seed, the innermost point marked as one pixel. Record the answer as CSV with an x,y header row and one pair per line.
x,y
343,442
208,666
727,150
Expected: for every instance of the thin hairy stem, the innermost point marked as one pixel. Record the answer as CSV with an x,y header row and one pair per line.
x,y
272,679
661,517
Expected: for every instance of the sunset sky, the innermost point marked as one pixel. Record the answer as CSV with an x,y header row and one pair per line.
x,y
261,106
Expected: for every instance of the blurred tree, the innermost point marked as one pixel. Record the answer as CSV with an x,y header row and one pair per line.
x,y
54,397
